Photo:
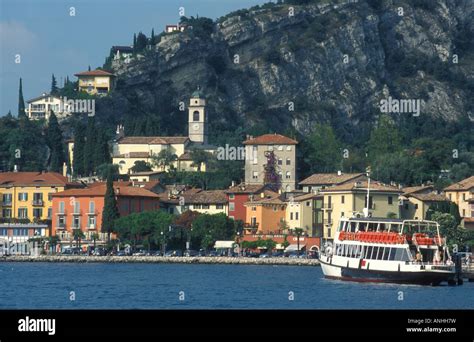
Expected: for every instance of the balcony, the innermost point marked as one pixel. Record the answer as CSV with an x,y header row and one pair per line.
x,y
91,227
38,202
7,203
61,226
76,226
328,222
327,206
250,228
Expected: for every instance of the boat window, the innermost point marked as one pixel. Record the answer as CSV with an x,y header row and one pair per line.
x,y
362,227
382,227
392,253
361,252
372,227
401,254
353,227
395,228
369,252
341,226
378,253
351,251
386,253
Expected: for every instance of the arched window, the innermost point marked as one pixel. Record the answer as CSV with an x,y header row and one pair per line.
x,y
195,115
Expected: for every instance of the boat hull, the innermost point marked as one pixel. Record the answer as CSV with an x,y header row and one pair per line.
x,y
377,276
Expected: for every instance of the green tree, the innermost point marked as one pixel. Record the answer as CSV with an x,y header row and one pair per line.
x,y
54,85
140,166
200,157
104,170
385,138
90,147
78,151
152,38
141,42
56,145
449,229
21,102
164,159
110,212
209,228
323,150
78,235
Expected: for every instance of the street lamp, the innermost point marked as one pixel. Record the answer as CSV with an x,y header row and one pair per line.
x,y
238,244
162,243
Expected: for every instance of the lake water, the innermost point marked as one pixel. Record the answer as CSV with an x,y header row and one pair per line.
x,y
174,286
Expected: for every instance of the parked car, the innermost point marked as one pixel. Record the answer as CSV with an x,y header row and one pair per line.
x,y
252,255
121,253
191,253
173,253
72,251
99,252
202,252
139,253
264,256
213,254
277,255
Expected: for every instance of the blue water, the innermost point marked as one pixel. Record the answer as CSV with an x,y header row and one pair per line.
x,y
159,286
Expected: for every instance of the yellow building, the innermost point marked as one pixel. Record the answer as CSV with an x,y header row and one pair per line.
x,y
348,199
28,195
462,193
299,212
417,200
96,82
207,202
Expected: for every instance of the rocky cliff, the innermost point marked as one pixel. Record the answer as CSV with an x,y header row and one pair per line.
x,y
285,65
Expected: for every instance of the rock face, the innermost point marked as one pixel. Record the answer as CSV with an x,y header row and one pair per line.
x,y
332,62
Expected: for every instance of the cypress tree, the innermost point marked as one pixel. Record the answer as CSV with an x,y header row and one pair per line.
x,y
55,143
152,38
78,152
134,42
54,85
110,212
21,102
89,147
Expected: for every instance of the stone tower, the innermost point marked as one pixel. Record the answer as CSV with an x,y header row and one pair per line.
x,y
197,129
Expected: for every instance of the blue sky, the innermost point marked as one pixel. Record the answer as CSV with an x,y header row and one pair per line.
x,y
49,40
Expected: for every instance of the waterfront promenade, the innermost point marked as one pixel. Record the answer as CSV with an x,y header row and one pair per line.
x,y
162,260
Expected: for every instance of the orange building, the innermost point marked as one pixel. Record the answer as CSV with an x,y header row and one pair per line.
x,y
82,208
266,214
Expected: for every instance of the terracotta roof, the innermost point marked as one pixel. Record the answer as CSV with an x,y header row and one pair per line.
x,y
414,189
94,73
44,95
245,189
153,140
463,185
270,139
271,197
362,186
99,189
305,197
172,193
431,197
208,196
468,219
329,178
34,178
185,156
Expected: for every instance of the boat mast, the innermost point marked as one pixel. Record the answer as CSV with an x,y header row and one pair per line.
x,y
366,213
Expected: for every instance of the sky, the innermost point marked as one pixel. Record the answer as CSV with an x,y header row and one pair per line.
x,y
41,37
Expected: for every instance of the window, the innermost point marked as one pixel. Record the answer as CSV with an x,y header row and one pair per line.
x,y
280,161
37,213
254,208
296,215
7,198
22,212
464,213
288,175
463,197
308,203
275,208
390,200
50,196
288,148
92,207
23,196
270,148
280,148
291,216
6,213
76,222
77,207
255,175
231,196
342,214
342,200
91,222
3,232
450,197
219,206
231,206
255,159
197,206
20,232
50,212
416,206
37,197
329,232
288,161
205,206
195,115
